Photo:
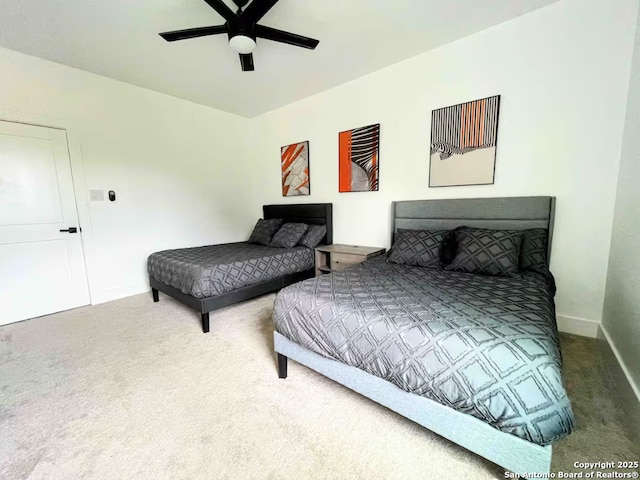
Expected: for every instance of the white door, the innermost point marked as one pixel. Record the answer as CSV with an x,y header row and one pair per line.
x,y
42,267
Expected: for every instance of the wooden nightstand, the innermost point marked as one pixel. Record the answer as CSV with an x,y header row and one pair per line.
x,y
333,258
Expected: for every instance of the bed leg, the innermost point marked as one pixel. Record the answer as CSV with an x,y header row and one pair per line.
x,y
282,366
154,292
205,322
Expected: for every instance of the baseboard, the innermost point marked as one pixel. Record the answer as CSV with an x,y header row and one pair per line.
x,y
118,292
628,393
577,326
623,366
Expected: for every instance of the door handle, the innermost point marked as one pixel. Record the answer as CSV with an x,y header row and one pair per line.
x,y
70,230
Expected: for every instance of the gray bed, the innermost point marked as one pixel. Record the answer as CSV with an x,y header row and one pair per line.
x,y
215,276
474,358
214,270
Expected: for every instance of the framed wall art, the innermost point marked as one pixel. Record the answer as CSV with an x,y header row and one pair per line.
x,y
295,169
463,143
358,159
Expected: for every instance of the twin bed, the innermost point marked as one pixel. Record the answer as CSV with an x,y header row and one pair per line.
x,y
474,358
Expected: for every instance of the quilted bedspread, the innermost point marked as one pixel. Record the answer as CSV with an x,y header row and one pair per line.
x,y
216,269
485,346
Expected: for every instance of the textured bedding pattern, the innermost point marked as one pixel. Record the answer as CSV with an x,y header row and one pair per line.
x,y
485,346
216,269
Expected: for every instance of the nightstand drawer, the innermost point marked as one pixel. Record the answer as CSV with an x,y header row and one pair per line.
x,y
340,261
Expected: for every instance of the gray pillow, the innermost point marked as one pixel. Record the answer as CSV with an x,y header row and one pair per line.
x,y
533,253
448,248
313,236
487,252
264,230
417,247
289,235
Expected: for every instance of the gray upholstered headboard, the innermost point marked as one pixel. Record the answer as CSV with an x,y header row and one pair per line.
x,y
506,213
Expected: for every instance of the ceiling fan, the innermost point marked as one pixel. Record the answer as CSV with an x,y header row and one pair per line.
x,y
243,29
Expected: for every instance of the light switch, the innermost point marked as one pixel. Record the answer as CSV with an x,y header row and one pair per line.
x,y
96,195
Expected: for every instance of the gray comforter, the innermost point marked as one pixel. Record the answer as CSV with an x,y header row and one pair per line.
x,y
216,269
485,346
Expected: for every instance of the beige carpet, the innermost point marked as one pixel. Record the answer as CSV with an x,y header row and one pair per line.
x,y
134,390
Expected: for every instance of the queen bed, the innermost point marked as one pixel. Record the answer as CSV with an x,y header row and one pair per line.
x,y
474,358
215,276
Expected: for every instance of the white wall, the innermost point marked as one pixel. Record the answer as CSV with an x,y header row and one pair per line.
x,y
563,73
621,317
169,161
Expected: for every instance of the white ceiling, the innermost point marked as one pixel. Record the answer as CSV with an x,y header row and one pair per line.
x,y
119,39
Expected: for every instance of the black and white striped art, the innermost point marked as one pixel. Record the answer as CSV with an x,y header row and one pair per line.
x,y
463,143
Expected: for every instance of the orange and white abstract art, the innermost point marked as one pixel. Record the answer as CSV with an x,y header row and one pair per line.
x,y
295,169
359,159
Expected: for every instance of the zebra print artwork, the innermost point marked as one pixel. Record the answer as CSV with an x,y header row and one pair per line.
x,y
358,159
295,169
463,143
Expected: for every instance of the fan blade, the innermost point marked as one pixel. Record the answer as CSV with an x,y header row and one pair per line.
x,y
269,33
247,62
256,10
221,7
193,33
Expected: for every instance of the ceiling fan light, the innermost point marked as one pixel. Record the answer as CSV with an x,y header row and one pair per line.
x,y
242,44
